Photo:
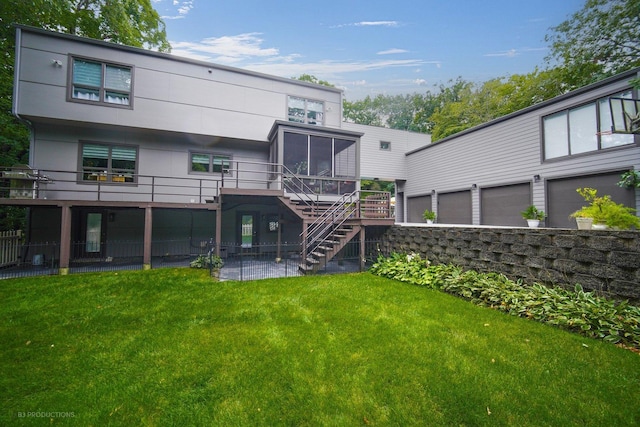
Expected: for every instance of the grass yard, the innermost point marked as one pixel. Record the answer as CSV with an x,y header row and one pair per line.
x,y
171,347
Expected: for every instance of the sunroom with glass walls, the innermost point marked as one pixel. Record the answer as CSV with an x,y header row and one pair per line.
x,y
327,164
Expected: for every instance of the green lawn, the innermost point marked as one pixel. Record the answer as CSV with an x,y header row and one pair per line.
x,y
172,347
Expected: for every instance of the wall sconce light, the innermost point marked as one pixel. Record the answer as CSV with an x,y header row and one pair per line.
x,y
474,186
536,178
56,63
433,191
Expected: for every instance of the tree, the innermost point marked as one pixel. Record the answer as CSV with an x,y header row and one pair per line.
x,y
313,79
130,22
466,105
600,40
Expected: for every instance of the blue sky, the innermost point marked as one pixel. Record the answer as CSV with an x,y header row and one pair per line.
x,y
368,47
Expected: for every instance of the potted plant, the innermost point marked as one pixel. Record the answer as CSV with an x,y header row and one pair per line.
x,y
429,216
630,179
604,212
533,216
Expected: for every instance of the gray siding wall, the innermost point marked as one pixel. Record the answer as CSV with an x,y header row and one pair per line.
x,y
57,149
510,152
386,165
169,93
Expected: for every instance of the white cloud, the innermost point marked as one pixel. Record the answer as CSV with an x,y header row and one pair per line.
x,y
225,49
420,82
392,51
183,9
512,53
329,69
369,24
376,24
509,53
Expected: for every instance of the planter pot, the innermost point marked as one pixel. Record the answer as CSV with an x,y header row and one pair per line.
x,y
599,226
533,223
429,221
584,223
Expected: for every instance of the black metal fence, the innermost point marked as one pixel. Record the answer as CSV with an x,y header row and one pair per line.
x,y
239,262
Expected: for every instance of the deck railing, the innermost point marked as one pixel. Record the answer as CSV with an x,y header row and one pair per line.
x,y
23,182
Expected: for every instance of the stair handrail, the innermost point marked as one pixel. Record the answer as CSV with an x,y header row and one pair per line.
x,y
306,190
331,219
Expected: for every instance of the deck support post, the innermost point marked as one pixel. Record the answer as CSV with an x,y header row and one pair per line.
x,y
65,240
218,227
362,248
148,228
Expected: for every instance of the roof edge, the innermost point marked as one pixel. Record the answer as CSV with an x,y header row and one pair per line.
x,y
171,57
621,76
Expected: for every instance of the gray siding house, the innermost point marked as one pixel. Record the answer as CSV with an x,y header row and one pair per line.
x,y
130,145
139,150
540,155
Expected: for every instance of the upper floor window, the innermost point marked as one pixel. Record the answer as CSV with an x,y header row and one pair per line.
x,y
108,163
210,163
100,82
582,129
307,111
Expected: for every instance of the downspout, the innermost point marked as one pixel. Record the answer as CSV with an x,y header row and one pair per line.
x,y
15,104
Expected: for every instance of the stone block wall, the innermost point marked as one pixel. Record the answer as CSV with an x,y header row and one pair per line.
x,y
604,261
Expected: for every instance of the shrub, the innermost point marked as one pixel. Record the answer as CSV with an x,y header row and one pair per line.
x,y
207,261
576,310
603,210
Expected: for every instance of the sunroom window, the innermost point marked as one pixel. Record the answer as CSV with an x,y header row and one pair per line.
x,y
319,156
99,82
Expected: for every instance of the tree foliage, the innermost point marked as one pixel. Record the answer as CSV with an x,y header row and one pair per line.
x,y
473,105
130,22
600,40
404,112
313,79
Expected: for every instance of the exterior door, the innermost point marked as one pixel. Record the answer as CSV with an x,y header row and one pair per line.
x,y
90,236
248,230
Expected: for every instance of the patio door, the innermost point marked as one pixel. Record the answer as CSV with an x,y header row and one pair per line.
x,y
248,230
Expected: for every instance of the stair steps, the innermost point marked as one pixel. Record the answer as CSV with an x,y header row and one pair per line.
x,y
329,248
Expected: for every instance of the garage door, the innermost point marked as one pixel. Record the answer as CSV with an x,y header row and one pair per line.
x,y
454,208
563,199
502,205
416,207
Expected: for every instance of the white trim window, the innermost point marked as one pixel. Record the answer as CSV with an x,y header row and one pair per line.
x,y
301,110
99,82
